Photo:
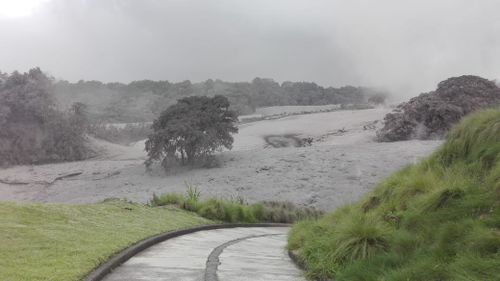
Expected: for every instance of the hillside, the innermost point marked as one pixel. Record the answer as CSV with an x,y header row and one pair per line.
x,y
438,219
342,163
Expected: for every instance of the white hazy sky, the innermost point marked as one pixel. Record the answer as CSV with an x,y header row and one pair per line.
x,y
404,45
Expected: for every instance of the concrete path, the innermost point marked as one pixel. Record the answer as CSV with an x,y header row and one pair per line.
x,y
234,254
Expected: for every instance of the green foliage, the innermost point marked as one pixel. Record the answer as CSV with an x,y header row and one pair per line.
x,y
285,212
167,199
191,199
192,192
436,220
193,129
299,233
235,210
475,140
226,211
213,209
363,237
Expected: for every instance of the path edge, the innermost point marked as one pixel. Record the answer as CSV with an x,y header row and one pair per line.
x,y
294,256
98,273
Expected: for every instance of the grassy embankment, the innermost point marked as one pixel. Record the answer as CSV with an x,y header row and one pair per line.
x,y
64,242
435,220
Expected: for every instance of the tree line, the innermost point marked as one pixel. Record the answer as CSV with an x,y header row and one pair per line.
x,y
43,120
143,100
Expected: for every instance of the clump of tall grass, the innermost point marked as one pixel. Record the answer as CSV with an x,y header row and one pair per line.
x,y
436,220
235,210
360,238
166,199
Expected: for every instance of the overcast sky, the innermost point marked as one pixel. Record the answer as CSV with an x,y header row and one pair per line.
x,y
406,46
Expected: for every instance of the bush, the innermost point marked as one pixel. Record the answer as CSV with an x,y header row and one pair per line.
x,y
213,209
166,199
431,115
286,212
235,211
32,129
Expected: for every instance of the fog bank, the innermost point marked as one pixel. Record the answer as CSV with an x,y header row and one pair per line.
x,y
405,46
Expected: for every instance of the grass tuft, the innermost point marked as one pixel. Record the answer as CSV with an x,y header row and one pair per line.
x,y
360,238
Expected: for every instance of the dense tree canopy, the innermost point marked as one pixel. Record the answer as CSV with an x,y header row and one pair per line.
x,y
32,130
144,100
192,130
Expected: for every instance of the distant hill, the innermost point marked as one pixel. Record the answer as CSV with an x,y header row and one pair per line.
x,y
143,100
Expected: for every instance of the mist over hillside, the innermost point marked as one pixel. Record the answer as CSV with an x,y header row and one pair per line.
x,y
143,100
404,46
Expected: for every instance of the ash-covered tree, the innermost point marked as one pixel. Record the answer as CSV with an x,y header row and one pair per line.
x,y
32,129
190,131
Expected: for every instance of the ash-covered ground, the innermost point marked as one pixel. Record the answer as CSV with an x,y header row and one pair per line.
x,y
338,164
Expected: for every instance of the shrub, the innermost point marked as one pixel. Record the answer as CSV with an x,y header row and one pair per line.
x,y
213,209
192,193
32,129
166,199
286,212
235,210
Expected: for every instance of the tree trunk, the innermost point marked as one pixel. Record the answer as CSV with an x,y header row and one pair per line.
x,y
183,157
190,156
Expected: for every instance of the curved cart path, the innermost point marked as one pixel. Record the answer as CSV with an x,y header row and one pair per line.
x,y
234,254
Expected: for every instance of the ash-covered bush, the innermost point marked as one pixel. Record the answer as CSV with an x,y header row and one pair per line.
x,y
431,115
32,129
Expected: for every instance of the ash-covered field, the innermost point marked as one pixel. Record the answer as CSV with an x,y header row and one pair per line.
x,y
323,160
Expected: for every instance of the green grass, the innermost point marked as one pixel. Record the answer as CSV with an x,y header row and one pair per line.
x,y
437,220
236,210
65,242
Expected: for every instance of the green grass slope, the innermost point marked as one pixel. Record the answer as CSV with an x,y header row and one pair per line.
x,y
65,242
435,220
